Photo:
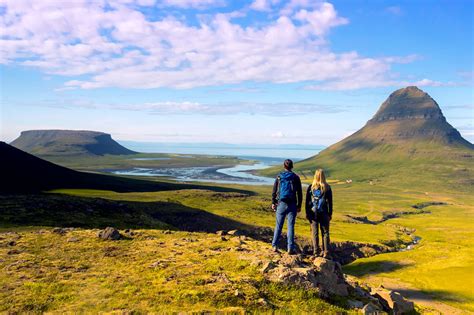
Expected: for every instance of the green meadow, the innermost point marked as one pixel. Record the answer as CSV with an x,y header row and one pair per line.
x,y
51,273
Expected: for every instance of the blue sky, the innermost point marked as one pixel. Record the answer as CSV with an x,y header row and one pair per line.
x,y
260,71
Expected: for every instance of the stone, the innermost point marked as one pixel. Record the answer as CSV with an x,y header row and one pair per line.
x,y
370,309
109,233
291,261
393,301
267,266
221,233
262,302
329,277
237,293
73,239
301,276
235,233
60,231
355,304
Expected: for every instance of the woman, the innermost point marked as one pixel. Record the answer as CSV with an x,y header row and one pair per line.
x,y
319,212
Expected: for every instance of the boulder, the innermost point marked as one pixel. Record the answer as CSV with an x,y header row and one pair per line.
x,y
291,261
329,277
355,304
235,233
300,276
393,301
109,233
371,309
60,231
267,266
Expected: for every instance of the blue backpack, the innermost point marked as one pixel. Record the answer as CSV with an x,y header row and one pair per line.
x,y
286,188
319,201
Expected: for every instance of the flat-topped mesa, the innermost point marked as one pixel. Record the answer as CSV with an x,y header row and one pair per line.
x,y
408,103
68,142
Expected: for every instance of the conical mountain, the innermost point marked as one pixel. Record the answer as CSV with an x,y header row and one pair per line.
x,y
410,115
408,134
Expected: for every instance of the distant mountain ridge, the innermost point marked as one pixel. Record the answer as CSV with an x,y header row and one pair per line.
x,y
69,142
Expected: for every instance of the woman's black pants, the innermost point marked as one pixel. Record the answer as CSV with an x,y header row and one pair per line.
x,y
320,224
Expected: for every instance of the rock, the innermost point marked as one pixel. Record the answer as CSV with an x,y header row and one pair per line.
x,y
301,276
329,277
355,304
166,232
394,301
267,266
235,233
291,261
221,233
60,231
237,293
370,309
109,233
262,302
223,238
73,239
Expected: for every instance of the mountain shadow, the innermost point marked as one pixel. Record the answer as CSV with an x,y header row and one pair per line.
x,y
57,210
22,172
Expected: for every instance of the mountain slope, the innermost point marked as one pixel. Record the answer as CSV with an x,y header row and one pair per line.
x,y
22,172
407,140
68,142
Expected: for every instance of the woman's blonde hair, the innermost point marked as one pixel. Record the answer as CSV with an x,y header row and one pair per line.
x,y
319,181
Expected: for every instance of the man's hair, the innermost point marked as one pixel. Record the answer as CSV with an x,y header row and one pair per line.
x,y
288,164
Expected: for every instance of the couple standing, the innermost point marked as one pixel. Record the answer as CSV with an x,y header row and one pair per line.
x,y
287,200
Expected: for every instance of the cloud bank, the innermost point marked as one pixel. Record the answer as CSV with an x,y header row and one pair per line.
x,y
145,44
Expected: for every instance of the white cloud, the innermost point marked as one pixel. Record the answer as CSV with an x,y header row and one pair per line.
x,y
191,107
118,46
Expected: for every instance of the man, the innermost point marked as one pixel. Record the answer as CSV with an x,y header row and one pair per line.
x,y
286,202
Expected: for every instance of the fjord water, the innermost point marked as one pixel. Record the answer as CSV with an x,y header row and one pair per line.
x,y
263,156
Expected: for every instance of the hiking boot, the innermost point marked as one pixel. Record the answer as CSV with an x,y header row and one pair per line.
x,y
275,249
317,253
291,252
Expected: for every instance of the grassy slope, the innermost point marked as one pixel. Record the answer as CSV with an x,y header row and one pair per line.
x,y
195,272
436,266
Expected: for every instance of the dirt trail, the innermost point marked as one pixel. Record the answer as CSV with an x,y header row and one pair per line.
x,y
415,295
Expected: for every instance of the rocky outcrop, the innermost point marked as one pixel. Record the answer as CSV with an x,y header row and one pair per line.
x,y
393,302
326,277
109,233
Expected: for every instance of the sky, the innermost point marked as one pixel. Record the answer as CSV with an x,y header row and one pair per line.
x,y
247,72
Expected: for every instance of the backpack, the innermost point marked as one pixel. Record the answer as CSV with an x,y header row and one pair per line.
x,y
287,190
319,201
